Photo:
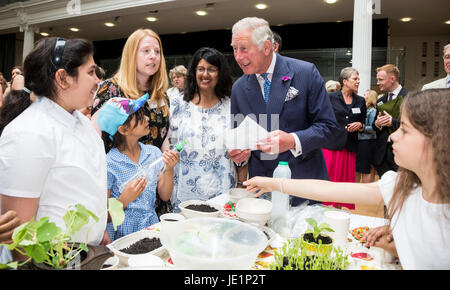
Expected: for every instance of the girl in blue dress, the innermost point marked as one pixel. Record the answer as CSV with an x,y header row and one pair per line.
x,y
122,123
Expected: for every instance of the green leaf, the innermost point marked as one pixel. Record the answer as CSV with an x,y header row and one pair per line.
x,y
76,219
84,247
36,252
47,231
12,265
115,209
312,222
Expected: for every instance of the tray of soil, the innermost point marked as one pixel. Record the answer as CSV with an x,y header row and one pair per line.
x,y
199,208
141,242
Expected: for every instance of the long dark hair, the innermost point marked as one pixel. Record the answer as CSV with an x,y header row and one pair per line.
x,y
39,70
216,58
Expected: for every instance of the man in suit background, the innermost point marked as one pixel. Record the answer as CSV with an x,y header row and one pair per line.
x,y
290,94
388,116
444,82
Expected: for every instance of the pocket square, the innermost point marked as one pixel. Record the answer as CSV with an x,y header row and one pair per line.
x,y
291,94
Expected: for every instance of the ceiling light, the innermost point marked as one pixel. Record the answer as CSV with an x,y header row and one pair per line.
x,y
261,6
44,34
109,24
406,19
74,29
201,12
152,19
447,22
330,1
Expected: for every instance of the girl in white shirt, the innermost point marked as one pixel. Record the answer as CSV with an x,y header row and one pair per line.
x,y
51,157
417,196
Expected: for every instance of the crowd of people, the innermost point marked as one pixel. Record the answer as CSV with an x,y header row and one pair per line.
x,y
68,135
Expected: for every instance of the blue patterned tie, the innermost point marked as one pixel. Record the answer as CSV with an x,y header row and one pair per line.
x,y
266,87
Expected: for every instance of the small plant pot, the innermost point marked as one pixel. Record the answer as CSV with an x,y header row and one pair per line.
x,y
93,259
322,245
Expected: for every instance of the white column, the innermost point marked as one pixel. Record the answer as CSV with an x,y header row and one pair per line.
x,y
28,39
362,42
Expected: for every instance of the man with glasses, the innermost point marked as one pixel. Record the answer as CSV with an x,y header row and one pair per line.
x,y
444,82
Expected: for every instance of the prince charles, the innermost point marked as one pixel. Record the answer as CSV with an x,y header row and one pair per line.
x,y
291,96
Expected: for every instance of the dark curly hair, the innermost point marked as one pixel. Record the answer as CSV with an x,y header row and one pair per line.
x,y
216,58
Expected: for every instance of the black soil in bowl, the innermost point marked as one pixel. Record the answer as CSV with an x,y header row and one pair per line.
x,y
142,246
201,207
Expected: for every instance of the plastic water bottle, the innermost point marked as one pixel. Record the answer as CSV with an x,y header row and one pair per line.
x,y
280,200
280,203
151,171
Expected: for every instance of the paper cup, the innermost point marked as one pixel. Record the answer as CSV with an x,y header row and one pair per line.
x,y
340,222
170,220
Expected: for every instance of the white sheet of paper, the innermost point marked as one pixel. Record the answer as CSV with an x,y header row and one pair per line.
x,y
245,136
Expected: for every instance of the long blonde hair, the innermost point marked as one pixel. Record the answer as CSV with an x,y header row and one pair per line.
x,y
372,98
126,75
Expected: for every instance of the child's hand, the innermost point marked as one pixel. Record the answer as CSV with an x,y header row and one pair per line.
x,y
170,159
132,191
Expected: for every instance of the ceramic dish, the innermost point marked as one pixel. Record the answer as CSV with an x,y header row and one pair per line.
x,y
189,213
130,239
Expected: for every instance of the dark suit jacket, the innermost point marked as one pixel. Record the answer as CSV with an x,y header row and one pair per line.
x,y
346,114
383,134
309,115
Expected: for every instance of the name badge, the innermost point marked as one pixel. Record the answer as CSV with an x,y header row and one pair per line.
x,y
356,110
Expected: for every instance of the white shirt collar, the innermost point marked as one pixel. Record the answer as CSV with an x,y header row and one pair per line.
x,y
271,68
396,91
59,113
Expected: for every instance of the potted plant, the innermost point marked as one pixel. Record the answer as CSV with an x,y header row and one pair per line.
x,y
294,255
47,246
315,238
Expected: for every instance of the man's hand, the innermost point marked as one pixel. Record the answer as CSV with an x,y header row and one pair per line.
x,y
383,120
278,142
239,156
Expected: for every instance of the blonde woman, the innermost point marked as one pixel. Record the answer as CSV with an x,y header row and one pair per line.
x,y
365,170
142,69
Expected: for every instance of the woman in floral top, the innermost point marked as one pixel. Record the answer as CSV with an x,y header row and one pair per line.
x,y
201,117
142,69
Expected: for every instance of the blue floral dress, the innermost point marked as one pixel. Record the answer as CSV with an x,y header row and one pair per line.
x,y
204,169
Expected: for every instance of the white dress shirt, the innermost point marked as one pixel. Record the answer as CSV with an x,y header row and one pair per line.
x,y
58,157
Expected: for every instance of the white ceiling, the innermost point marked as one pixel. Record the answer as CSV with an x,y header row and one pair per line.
x,y
178,16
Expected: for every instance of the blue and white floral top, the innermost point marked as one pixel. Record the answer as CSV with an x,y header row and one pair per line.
x,y
204,169
139,213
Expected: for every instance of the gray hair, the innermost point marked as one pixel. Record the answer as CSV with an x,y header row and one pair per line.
x,y
446,47
179,70
346,73
260,30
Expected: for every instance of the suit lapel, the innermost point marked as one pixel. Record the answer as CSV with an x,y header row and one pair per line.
x,y
279,88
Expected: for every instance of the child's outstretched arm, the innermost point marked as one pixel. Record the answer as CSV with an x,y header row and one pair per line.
x,y
320,190
165,182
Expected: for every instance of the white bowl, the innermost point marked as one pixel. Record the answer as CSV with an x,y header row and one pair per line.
x,y
147,261
113,262
238,193
130,239
254,210
189,213
214,244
